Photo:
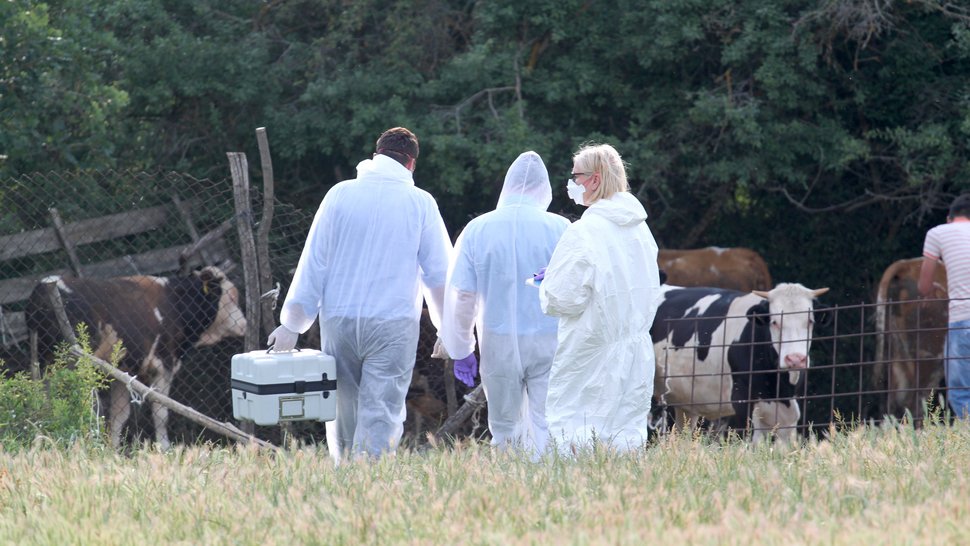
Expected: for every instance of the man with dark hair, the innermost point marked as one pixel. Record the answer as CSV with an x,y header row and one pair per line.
x,y
377,242
400,144
950,243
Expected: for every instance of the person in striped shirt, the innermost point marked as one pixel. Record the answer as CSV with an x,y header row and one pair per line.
x,y
950,243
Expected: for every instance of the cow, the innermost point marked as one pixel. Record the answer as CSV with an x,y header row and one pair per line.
x,y
157,320
911,335
728,354
733,268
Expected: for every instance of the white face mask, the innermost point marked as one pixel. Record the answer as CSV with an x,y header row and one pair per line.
x,y
576,192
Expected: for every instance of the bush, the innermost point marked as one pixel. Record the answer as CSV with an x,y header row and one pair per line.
x,y
61,407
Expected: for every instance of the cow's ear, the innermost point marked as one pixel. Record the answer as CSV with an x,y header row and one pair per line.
x,y
823,314
760,313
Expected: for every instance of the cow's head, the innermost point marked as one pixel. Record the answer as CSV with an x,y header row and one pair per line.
x,y
791,313
229,320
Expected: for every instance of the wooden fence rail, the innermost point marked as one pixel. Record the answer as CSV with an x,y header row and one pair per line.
x,y
67,237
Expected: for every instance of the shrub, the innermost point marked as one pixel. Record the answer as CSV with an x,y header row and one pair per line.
x,y
60,408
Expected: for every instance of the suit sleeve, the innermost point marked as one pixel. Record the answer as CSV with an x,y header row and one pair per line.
x,y
303,299
433,257
461,300
568,285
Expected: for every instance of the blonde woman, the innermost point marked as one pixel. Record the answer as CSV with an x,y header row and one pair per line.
x,y
602,282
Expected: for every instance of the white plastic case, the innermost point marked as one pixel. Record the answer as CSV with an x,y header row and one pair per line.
x,y
269,387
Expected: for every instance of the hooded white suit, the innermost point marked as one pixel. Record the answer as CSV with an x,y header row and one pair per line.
x,y
602,283
494,255
375,242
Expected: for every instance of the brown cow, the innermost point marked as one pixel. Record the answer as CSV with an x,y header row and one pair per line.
x,y
911,338
735,268
157,319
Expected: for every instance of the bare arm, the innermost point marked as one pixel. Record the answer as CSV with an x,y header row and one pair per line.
x,y
926,272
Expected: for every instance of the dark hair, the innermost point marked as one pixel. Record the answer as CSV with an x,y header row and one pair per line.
x,y
399,144
960,206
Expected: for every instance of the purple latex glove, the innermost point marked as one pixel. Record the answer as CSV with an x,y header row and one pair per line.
x,y
466,369
538,276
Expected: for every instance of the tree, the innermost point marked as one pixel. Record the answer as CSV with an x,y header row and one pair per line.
x,y
196,74
744,123
59,104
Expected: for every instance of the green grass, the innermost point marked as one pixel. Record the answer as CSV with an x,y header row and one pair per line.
x,y
872,486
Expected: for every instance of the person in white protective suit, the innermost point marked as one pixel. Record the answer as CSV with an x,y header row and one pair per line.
x,y
376,243
602,282
494,255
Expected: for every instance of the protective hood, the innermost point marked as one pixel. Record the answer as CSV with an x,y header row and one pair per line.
x,y
385,168
526,183
623,209
487,294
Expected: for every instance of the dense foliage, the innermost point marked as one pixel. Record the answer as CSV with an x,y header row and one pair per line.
x,y
826,135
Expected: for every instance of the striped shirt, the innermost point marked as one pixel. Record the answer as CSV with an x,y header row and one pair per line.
x,y
951,244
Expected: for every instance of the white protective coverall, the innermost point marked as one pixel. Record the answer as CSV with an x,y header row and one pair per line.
x,y
602,283
376,241
494,255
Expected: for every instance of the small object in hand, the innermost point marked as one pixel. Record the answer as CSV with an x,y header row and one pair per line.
x,y
537,277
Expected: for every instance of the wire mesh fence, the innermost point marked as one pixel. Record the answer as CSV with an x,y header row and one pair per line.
x,y
150,260
92,228
868,363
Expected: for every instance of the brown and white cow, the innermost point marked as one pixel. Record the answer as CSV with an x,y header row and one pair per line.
x,y
729,354
911,337
157,319
735,268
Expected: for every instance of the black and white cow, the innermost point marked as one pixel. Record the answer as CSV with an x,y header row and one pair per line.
x,y
722,353
157,319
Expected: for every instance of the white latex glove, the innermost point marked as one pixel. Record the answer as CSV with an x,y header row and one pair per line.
x,y
282,339
439,351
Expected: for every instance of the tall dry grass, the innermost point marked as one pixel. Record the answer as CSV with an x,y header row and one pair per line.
x,y
872,486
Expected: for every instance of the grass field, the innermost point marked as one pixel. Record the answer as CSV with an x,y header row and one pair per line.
x,y
871,486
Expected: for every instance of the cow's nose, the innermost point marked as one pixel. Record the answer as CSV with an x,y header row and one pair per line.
x,y
796,360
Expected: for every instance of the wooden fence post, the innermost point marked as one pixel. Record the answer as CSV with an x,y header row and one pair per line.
x,y
451,401
60,315
65,241
34,357
244,225
262,235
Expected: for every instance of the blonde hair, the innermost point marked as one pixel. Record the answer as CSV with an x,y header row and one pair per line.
x,y
605,160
